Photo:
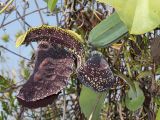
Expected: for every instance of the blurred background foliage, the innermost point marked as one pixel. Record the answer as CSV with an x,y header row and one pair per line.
x,y
134,59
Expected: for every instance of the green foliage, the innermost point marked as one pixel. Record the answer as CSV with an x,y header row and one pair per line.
x,y
5,83
140,16
108,31
51,4
7,97
91,103
134,98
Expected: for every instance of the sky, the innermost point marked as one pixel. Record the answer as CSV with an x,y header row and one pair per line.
x,y
12,61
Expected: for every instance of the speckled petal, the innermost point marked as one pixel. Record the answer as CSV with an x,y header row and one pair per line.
x,y
96,73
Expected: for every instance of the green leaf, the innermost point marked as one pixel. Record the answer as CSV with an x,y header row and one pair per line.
x,y
158,115
20,40
140,16
91,103
134,98
107,31
51,4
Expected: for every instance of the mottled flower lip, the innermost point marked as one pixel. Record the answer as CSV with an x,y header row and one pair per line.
x,y
39,103
53,67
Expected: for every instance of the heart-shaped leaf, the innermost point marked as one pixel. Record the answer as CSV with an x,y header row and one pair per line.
x,y
91,103
140,16
134,98
107,31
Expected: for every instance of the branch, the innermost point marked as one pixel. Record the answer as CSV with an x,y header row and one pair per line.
x,y
39,12
22,17
6,6
14,53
